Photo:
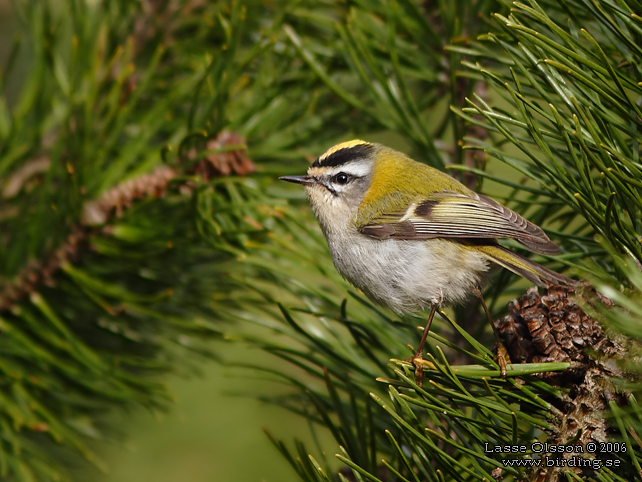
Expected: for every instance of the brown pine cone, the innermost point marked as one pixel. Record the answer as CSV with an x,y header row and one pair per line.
x,y
552,328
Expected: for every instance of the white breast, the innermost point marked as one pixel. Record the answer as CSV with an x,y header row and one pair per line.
x,y
407,275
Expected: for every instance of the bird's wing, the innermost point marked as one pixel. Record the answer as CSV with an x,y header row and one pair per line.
x,y
453,215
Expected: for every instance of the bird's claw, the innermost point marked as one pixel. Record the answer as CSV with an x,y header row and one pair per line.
x,y
502,358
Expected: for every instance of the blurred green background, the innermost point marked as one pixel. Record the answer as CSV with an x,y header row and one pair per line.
x,y
213,431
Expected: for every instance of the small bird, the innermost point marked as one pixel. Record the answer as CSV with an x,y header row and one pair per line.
x,y
411,237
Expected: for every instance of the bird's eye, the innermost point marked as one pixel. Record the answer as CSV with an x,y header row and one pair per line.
x,y
342,178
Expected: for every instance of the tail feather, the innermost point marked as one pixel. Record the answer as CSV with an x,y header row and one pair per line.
x,y
522,266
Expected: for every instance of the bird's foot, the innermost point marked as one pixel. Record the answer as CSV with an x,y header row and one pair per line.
x,y
502,358
419,369
417,361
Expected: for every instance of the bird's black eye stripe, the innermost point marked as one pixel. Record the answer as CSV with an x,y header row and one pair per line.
x,y
341,178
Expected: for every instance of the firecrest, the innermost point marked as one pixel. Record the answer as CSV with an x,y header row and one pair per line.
x,y
411,237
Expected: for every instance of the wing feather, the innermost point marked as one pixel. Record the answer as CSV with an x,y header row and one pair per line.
x,y
453,215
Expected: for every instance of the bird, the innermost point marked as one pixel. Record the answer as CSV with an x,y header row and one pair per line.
x,y
411,237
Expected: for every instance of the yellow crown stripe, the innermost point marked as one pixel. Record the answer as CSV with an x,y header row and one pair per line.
x,y
343,145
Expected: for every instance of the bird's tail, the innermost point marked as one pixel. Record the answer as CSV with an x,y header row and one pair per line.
x,y
530,270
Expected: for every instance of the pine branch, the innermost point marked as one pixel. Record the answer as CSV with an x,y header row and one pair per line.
x,y
126,251
578,154
218,160
581,146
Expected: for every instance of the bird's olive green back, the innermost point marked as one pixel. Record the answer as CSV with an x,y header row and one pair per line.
x,y
398,181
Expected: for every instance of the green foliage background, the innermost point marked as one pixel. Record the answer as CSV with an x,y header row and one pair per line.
x,y
114,90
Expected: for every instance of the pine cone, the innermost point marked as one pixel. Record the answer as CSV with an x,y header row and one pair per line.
x,y
552,328
224,163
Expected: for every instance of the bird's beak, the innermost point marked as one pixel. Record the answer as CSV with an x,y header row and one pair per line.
x,y
299,179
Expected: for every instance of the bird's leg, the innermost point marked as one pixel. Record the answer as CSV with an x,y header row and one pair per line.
x,y
419,355
502,354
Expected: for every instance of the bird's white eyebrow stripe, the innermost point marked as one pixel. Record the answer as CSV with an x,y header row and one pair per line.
x,y
357,169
